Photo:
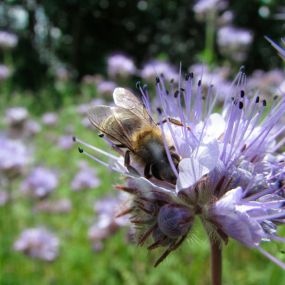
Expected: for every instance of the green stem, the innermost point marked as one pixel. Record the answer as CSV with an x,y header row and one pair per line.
x,y
216,262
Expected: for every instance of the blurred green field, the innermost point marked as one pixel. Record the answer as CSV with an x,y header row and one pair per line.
x,y
120,262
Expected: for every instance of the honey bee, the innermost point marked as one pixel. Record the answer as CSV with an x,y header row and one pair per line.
x,y
128,125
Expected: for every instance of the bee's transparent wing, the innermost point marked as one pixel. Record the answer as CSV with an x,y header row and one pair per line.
x,y
126,99
118,124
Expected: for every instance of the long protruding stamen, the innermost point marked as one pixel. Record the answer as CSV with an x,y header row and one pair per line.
x,y
166,147
271,257
95,148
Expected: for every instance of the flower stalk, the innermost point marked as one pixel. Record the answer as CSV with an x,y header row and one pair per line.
x,y
216,262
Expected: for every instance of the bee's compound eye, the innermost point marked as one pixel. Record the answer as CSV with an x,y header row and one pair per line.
x,y
174,220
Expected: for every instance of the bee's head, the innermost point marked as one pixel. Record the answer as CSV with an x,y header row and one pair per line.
x,y
163,170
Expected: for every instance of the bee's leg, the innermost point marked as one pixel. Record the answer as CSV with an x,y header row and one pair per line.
x,y
155,171
175,157
127,161
147,169
173,121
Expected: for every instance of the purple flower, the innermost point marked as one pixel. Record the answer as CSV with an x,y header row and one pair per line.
x,y
50,119
4,197
14,157
65,142
5,72
38,243
224,168
86,178
58,206
32,127
156,68
106,88
120,66
234,42
16,116
8,40
40,183
106,223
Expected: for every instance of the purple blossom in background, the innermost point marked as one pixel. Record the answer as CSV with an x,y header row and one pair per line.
x,y
202,8
234,42
38,243
8,40
106,221
50,119
120,66
65,142
230,173
61,206
86,178
14,157
4,197
267,83
105,88
40,183
5,72
32,128
16,116
155,68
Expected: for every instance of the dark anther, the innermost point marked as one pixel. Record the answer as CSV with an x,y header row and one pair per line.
x,y
275,97
176,93
240,105
242,69
257,99
182,89
242,93
159,110
138,85
280,184
101,135
191,75
162,75
264,103
167,92
171,80
157,79
199,82
80,149
233,98
187,76
74,139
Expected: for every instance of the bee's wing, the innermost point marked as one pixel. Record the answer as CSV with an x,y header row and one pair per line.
x,y
118,124
126,99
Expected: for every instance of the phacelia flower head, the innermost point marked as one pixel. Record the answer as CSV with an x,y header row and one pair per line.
x,y
38,243
14,157
86,178
120,66
220,167
5,72
157,67
234,42
8,40
40,183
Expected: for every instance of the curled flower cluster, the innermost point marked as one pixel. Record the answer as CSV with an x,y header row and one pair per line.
x,y
230,173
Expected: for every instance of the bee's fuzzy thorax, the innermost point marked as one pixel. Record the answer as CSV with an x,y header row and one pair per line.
x,y
142,139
